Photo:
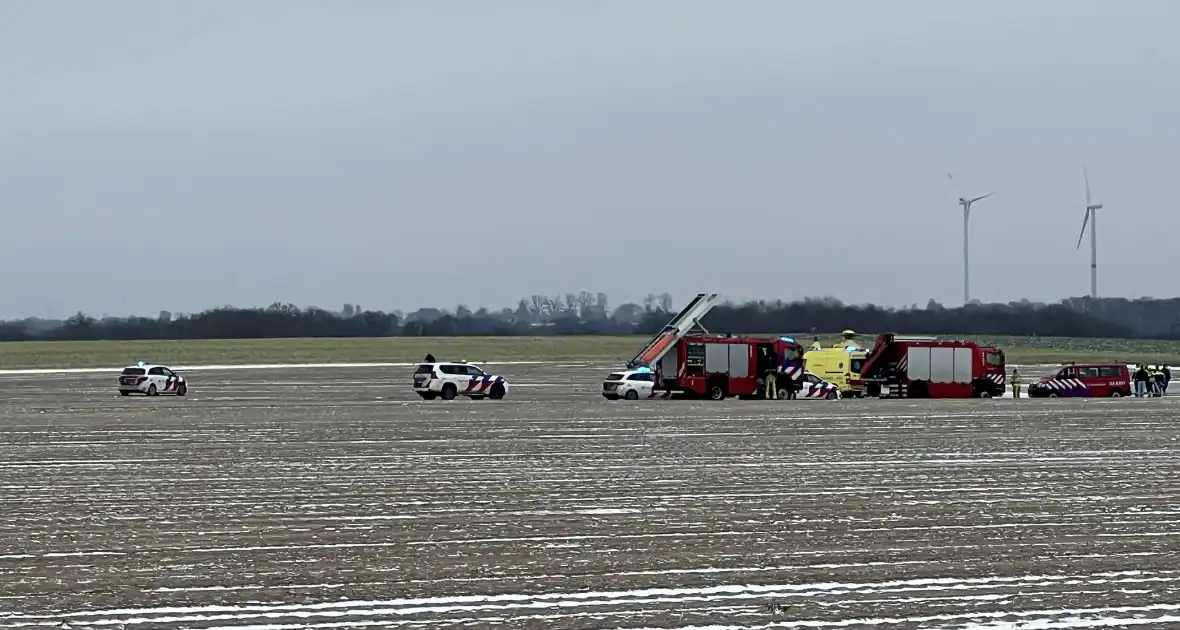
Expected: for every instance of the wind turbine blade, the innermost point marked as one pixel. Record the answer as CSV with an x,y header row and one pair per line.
x,y
1083,233
1086,174
982,197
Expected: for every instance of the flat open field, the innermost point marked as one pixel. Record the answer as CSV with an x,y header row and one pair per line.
x,y
313,498
41,354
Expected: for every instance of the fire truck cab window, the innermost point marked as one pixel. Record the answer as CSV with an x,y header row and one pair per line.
x,y
994,358
791,354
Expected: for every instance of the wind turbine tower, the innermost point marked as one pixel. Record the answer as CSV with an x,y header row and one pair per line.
x,y
966,203
1091,217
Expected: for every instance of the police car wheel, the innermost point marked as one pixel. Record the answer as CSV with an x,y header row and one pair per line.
x,y
631,395
831,395
497,392
152,390
448,391
123,392
428,395
182,389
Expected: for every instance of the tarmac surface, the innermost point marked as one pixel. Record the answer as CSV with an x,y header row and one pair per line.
x,y
335,498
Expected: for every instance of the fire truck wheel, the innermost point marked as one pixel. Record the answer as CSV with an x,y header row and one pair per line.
x,y
716,392
783,393
631,395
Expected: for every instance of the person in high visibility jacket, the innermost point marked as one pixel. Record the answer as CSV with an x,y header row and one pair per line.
x,y
1015,383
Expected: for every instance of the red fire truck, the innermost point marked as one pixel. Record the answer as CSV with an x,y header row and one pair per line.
x,y
689,360
926,367
718,366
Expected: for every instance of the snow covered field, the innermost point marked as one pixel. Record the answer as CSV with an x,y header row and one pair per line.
x,y
331,497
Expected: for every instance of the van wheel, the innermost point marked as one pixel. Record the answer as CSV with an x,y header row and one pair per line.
x,y
716,392
1116,394
448,391
631,395
1052,394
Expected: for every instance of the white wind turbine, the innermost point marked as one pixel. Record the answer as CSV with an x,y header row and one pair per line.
x,y
966,203
1091,217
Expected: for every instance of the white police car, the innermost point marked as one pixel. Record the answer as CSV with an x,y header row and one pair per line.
x,y
629,385
151,380
447,380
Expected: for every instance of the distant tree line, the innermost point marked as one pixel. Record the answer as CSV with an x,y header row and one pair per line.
x,y
591,314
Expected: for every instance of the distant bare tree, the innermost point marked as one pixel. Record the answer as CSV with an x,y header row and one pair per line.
x,y
649,302
665,302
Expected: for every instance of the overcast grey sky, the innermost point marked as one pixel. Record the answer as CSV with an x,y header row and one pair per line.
x,y
157,154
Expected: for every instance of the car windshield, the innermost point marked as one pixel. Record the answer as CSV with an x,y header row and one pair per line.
x,y
617,376
133,371
425,368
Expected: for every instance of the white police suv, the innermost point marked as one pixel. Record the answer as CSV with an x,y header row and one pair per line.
x,y
151,380
447,380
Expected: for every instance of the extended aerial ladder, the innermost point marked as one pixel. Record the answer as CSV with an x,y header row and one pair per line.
x,y
681,325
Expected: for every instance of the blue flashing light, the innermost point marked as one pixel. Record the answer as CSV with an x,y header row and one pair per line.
x,y
140,363
850,347
787,339
643,369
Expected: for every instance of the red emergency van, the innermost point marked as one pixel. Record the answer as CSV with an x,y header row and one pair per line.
x,y
1089,380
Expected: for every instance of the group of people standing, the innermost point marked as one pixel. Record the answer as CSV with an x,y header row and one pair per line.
x,y
1151,380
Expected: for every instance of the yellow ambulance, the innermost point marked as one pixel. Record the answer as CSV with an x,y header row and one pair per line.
x,y
838,363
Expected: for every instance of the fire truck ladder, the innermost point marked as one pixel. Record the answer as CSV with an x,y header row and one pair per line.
x,y
676,329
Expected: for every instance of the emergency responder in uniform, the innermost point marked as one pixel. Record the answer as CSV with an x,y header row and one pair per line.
x,y
1167,377
1157,381
792,391
771,387
1015,383
429,358
849,339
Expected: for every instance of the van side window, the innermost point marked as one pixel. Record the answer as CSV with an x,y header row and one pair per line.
x,y
1088,372
1109,371
1067,373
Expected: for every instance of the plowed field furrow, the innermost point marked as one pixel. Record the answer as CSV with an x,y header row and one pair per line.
x,y
337,499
